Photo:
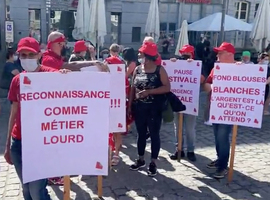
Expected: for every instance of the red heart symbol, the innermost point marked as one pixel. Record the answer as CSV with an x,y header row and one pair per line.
x,y
213,117
164,64
256,121
26,81
217,67
99,165
261,69
198,64
195,110
119,69
120,125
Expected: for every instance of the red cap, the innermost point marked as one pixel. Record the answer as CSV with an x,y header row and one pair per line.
x,y
29,44
187,49
114,60
80,46
149,49
225,46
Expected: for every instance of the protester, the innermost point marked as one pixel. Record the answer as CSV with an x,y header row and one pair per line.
x,y
187,53
115,59
150,83
225,54
246,57
11,69
79,51
130,58
29,54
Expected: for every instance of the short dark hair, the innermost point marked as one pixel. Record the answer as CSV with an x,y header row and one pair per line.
x,y
10,52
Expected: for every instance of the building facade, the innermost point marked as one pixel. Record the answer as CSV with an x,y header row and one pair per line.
x,y
126,19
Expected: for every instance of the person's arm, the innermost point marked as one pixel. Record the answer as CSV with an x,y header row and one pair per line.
x,y
132,90
208,82
77,65
12,117
166,85
15,72
268,81
130,69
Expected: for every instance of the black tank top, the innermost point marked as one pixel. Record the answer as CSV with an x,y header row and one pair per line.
x,y
146,81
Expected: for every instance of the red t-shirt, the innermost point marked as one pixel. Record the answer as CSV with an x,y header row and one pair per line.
x,y
51,59
13,95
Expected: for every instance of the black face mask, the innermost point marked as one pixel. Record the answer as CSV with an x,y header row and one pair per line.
x,y
185,57
63,51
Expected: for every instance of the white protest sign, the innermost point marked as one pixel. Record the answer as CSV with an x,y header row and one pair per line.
x,y
118,96
238,94
185,80
65,124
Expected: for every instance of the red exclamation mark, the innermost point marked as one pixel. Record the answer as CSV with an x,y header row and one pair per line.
x,y
118,103
111,103
115,103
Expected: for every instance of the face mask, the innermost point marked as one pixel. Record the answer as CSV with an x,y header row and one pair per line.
x,y
141,60
29,65
185,57
15,57
42,50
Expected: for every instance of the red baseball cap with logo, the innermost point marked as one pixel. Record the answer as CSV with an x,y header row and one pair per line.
x,y
225,46
80,46
149,49
28,44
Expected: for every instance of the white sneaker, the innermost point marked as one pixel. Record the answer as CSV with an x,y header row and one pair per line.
x,y
208,123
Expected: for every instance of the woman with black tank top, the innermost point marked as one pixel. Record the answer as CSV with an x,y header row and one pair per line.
x,y
147,97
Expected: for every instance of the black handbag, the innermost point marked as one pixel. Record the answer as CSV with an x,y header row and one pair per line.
x,y
175,102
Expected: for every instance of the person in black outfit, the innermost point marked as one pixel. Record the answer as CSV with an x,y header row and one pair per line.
x,y
79,53
12,67
165,46
150,83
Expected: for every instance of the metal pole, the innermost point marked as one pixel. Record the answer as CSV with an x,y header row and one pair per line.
x,y
221,38
48,17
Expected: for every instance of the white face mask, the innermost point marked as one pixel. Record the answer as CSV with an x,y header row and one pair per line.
x,y
141,60
29,65
15,57
42,50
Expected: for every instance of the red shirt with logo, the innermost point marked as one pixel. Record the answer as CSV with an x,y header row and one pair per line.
x,y
14,95
51,59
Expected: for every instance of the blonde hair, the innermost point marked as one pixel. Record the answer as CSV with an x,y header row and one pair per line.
x,y
149,39
115,48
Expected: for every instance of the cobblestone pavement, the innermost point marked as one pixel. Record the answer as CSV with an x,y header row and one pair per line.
x,y
175,181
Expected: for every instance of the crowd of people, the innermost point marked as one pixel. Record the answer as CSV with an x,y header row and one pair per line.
x,y
147,84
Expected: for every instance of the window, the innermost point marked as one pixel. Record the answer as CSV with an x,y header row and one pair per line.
x,y
59,23
242,9
116,27
136,34
34,24
256,9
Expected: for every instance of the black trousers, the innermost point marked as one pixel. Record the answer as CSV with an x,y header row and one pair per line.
x,y
266,92
148,116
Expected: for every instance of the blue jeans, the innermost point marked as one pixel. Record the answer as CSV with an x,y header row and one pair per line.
x,y
189,123
35,190
222,140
